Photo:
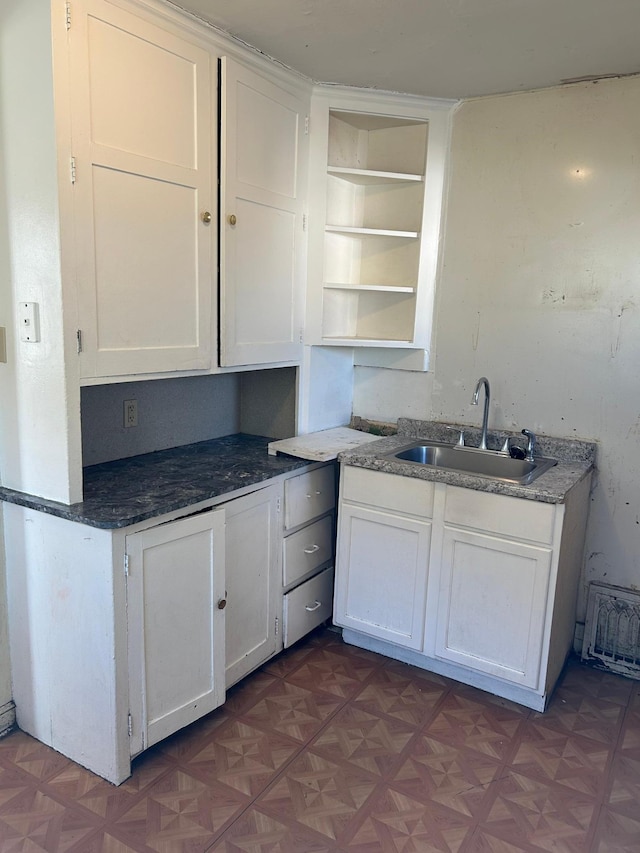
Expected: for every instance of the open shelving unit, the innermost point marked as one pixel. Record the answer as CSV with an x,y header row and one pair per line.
x,y
374,215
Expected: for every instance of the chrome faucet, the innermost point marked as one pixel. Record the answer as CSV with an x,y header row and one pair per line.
x,y
485,416
531,444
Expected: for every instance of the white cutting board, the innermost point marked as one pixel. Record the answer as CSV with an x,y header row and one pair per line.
x,y
321,446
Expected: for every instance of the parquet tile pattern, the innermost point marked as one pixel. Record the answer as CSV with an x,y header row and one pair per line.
x,y
332,749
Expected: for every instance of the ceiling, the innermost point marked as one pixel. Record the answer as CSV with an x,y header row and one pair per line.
x,y
439,48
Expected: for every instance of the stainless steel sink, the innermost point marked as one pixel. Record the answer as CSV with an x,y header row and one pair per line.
x,y
470,460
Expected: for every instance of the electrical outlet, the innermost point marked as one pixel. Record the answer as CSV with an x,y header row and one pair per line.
x,y
130,413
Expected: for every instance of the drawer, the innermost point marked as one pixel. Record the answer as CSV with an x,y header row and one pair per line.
x,y
516,518
307,549
307,606
405,495
308,496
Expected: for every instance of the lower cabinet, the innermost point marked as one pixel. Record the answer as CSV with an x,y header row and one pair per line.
x,y
384,591
124,636
492,595
308,551
253,590
209,600
477,586
175,625
383,555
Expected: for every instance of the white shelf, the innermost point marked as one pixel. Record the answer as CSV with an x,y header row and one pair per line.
x,y
367,342
371,232
369,252
372,177
375,288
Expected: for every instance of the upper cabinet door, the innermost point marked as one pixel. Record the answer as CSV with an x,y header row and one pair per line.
x,y
144,215
261,221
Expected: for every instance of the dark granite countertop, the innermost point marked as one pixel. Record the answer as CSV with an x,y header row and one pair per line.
x,y
575,461
118,494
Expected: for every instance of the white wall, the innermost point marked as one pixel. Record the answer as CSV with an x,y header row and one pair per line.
x,y
540,289
29,270
40,447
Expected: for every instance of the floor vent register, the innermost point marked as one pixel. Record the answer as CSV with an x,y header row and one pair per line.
x,y
612,629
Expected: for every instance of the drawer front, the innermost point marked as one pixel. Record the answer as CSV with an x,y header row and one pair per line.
x,y
514,517
405,495
308,496
307,606
307,549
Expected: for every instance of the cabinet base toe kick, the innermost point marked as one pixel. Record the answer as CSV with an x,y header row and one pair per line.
x,y
512,692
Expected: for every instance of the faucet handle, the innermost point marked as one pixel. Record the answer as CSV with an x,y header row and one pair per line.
x,y
460,442
531,444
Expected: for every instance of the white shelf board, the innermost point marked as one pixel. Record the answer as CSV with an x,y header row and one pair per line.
x,y
371,232
371,177
374,288
341,340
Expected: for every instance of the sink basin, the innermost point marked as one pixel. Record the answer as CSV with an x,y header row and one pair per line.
x,y
469,460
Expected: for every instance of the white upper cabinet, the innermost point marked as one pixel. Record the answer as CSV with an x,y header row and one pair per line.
x,y
378,169
262,258
145,220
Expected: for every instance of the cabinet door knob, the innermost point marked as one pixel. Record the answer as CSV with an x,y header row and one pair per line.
x,y
311,549
311,607
232,219
222,604
206,217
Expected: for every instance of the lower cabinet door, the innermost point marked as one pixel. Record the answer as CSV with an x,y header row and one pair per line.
x,y
253,584
175,585
307,606
492,602
382,563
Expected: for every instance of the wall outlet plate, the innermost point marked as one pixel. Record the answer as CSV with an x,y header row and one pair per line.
x,y
29,322
130,413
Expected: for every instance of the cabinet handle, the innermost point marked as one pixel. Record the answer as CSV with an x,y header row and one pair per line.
x,y
317,492
232,219
222,604
206,217
311,607
311,549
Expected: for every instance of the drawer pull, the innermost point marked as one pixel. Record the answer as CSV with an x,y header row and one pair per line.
x,y
311,607
311,549
317,492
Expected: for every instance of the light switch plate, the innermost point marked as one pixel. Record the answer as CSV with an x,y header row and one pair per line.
x,y
29,322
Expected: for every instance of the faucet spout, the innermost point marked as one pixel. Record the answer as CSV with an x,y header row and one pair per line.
x,y
483,381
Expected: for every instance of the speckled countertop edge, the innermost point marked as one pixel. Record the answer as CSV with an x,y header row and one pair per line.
x,y
127,491
575,461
